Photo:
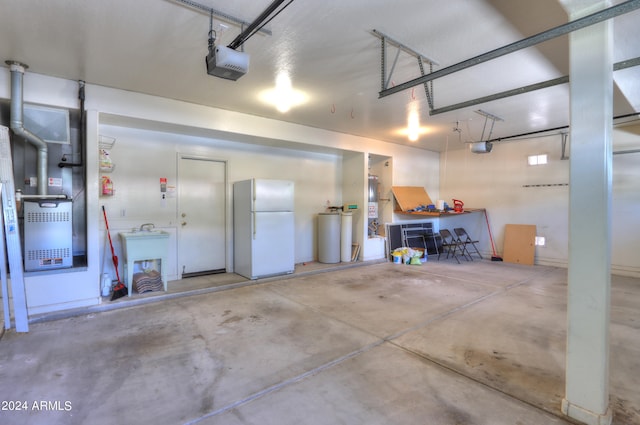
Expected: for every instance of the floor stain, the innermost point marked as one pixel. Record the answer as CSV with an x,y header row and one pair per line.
x,y
623,413
499,370
471,359
498,355
230,320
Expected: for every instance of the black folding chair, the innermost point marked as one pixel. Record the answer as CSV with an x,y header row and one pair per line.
x,y
464,239
450,244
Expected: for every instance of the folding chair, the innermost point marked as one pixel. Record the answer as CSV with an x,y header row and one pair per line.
x,y
449,244
464,239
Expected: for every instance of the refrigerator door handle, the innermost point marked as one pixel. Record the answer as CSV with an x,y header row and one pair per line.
x,y
253,215
255,194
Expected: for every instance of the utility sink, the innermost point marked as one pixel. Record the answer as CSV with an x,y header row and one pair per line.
x,y
144,245
142,234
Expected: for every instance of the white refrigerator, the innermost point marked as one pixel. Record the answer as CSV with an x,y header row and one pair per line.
x,y
263,228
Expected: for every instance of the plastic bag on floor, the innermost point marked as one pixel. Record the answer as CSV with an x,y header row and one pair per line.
x,y
406,255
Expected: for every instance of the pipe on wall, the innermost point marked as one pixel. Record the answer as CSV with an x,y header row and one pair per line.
x,y
17,126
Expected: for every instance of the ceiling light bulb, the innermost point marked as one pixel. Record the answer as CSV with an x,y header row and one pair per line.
x,y
283,83
283,96
284,92
413,126
283,106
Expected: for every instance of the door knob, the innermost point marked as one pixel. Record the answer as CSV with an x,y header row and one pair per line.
x,y
184,223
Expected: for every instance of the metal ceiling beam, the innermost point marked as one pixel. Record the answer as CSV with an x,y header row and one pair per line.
x,y
428,87
558,31
224,16
629,63
526,89
543,133
402,46
386,79
255,26
501,95
626,152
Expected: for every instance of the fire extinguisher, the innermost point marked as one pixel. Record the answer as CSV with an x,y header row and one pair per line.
x,y
458,205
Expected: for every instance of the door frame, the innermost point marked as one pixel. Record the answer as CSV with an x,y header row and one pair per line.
x,y
228,231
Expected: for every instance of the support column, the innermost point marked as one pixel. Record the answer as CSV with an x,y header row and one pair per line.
x,y
587,358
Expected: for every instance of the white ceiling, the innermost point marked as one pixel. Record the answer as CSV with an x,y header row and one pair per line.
x,y
158,47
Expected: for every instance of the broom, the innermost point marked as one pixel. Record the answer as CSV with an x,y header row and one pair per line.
x,y
120,290
494,257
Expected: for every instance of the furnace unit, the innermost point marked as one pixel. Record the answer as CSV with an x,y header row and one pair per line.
x,y
48,234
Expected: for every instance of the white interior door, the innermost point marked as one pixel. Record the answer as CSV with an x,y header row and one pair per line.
x,y
201,215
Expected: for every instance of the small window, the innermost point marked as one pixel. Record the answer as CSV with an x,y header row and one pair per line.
x,y
537,159
540,241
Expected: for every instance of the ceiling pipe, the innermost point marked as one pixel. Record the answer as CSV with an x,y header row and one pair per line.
x,y
17,72
552,33
82,133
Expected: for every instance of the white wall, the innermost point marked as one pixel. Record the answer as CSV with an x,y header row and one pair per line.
x,y
626,203
496,181
150,131
353,180
142,157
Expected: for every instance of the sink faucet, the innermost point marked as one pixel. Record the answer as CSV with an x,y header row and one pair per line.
x,y
147,225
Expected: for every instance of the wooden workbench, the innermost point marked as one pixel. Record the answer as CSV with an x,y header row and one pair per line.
x,y
411,197
439,214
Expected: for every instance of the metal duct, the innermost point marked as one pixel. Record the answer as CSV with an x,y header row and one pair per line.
x,y
17,72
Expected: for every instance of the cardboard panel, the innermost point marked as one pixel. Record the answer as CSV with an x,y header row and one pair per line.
x,y
410,197
520,243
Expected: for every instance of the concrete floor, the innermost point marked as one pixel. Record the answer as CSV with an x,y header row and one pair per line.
x,y
476,343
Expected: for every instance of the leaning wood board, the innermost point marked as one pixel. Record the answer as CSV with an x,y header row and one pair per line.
x,y
520,243
410,197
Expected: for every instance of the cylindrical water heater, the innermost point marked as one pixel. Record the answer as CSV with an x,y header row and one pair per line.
x,y
329,237
373,188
